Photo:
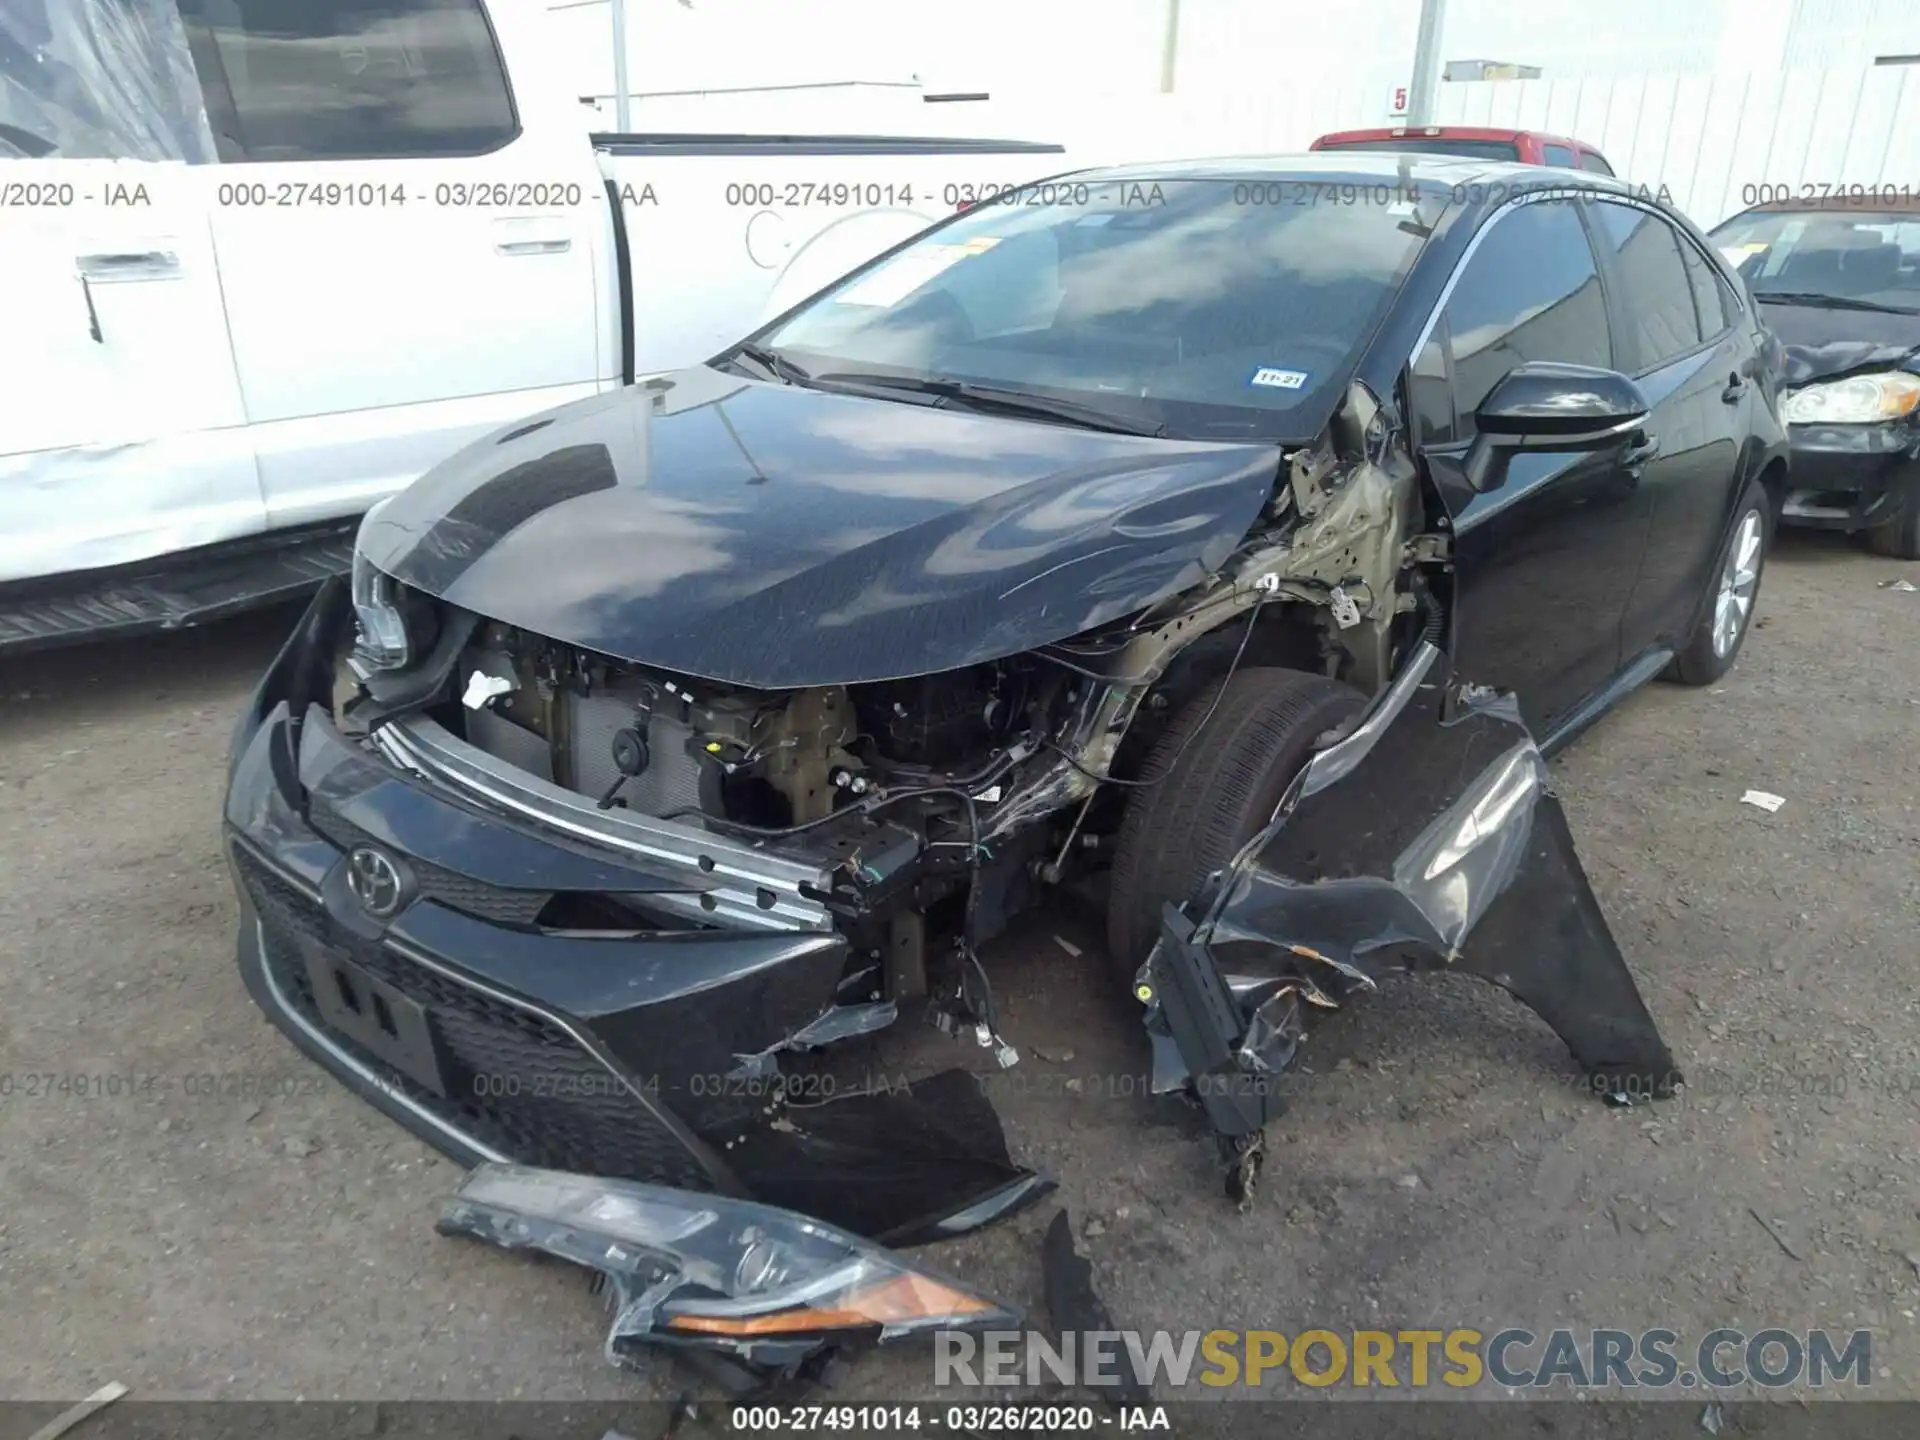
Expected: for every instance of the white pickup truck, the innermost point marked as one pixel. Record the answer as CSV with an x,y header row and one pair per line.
x,y
262,262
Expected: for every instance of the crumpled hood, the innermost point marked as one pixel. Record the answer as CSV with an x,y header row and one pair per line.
x,y
1822,344
773,536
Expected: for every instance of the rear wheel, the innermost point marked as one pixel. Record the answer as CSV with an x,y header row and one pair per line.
x,y
1899,534
1216,781
1715,643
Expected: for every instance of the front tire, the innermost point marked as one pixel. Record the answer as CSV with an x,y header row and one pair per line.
x,y
1716,640
1898,535
1214,789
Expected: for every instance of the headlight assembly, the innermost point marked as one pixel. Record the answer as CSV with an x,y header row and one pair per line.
x,y
385,643
1858,400
766,1285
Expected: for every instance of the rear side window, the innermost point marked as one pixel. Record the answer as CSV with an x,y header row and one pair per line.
x,y
1559,155
86,80
1710,298
1529,292
350,79
1658,293
1590,161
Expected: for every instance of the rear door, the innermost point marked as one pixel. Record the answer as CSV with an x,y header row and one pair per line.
x,y
1674,331
121,427
1545,564
406,244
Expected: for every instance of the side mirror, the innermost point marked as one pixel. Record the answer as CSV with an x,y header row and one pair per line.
x,y
1542,405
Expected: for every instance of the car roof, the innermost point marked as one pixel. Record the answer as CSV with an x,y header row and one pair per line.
x,y
1360,167
1454,132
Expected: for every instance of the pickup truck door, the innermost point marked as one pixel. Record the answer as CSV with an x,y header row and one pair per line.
x,y
121,434
407,241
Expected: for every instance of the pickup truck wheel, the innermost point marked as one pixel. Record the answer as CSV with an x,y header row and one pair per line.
x,y
1899,534
1716,640
1209,797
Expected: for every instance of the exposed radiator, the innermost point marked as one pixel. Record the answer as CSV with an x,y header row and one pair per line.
x,y
670,782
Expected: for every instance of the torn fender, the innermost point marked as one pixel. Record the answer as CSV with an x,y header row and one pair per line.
x,y
1427,839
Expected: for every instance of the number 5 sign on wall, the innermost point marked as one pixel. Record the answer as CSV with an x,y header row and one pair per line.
x,y
1397,102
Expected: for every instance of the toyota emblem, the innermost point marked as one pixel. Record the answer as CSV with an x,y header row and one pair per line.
x,y
375,881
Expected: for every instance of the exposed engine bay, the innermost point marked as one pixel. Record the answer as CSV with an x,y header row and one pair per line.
x,y
946,804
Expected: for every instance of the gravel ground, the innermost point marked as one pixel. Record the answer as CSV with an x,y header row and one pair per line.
x,y
1439,1167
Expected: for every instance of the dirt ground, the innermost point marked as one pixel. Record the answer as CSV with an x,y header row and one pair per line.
x,y
1439,1167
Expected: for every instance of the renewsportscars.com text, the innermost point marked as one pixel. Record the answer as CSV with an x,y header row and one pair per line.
x,y
1460,1358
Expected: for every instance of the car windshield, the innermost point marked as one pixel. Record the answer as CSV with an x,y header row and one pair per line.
x,y
1217,309
1435,145
1848,254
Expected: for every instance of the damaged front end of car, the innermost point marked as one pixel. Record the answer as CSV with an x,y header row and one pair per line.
x,y
599,875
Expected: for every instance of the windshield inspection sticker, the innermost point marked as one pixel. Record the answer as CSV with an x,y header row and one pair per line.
x,y
1279,379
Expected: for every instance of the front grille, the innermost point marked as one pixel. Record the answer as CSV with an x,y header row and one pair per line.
x,y
565,1110
437,883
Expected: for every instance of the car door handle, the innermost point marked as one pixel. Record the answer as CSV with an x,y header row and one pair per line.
x,y
129,265
534,247
1736,387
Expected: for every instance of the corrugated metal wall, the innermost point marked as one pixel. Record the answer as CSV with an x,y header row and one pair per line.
x,y
1844,33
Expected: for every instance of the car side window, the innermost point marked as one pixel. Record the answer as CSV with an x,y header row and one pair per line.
x,y
1710,298
350,79
1530,291
1559,155
1659,299
98,82
1591,161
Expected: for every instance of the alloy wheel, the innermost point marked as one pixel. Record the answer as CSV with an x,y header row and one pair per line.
x,y
1738,580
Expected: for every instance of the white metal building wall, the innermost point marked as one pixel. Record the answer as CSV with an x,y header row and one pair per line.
x,y
1836,33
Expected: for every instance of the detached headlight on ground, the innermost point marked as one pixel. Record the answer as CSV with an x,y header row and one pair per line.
x,y
1855,401
767,1285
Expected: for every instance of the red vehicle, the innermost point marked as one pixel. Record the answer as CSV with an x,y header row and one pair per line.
x,y
1476,142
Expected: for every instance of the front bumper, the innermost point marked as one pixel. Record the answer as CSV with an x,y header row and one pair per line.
x,y
1850,477
640,1055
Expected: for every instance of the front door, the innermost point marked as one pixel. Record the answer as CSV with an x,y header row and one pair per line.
x,y
121,428
1544,565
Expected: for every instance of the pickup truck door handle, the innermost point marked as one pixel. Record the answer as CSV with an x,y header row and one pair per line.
x,y
1736,387
129,265
557,246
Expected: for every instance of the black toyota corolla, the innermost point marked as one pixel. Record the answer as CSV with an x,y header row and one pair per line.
x,y
1247,531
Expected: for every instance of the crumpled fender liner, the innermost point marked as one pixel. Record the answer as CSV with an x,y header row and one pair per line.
x,y
1426,839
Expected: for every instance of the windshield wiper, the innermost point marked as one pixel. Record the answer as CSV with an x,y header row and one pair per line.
x,y
1835,302
774,363
974,396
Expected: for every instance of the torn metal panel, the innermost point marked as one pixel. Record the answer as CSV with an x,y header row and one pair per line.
x,y
99,79
1427,839
768,1288
832,1025
1077,1309
903,1163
